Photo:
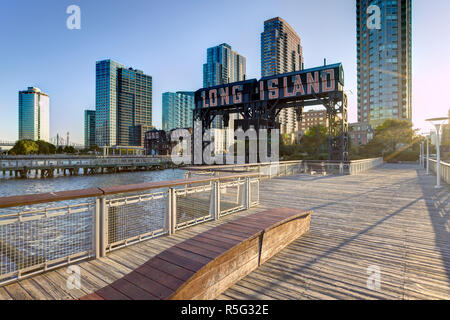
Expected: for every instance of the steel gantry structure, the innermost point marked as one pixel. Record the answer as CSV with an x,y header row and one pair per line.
x,y
259,102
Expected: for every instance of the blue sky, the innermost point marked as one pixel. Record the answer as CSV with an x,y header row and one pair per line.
x,y
168,40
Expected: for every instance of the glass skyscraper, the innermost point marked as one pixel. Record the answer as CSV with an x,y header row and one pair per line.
x,y
281,52
223,65
177,110
134,107
34,115
384,60
89,128
123,105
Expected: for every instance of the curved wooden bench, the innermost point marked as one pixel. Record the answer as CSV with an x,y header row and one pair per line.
x,y
204,266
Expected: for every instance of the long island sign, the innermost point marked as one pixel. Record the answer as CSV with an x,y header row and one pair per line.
x,y
308,84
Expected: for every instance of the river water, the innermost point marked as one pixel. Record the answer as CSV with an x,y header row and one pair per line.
x,y
24,244
12,186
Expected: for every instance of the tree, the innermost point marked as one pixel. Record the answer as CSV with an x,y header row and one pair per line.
x,y
24,147
396,140
69,149
394,134
45,147
315,142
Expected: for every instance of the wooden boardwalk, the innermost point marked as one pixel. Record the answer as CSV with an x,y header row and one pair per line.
x,y
390,218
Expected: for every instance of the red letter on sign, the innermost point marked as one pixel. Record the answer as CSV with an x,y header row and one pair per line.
x,y
237,97
286,92
213,98
273,91
325,87
298,86
205,105
313,83
225,98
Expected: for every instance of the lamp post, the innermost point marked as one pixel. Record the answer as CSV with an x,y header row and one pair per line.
x,y
421,154
428,154
438,122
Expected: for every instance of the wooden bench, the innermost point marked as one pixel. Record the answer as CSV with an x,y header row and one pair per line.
x,y
204,266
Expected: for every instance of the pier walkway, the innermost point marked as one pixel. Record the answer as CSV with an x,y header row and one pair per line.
x,y
390,219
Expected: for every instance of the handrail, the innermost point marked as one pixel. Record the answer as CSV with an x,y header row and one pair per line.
x,y
246,165
71,157
445,169
29,199
442,162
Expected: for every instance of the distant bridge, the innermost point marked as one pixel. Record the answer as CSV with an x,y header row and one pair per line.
x,y
8,144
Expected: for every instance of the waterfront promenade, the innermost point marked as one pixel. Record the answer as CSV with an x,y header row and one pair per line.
x,y
390,218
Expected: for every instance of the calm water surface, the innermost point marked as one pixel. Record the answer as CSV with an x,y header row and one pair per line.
x,y
11,186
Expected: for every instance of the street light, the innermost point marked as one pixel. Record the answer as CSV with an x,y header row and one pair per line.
x,y
428,153
438,122
421,160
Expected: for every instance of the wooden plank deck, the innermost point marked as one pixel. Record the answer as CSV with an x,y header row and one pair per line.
x,y
391,217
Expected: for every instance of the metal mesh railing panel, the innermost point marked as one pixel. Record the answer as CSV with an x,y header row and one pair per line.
x,y
135,218
193,205
37,240
232,197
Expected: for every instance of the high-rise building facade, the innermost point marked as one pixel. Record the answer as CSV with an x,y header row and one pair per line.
x,y
384,60
223,65
89,128
34,115
177,110
281,52
123,105
134,113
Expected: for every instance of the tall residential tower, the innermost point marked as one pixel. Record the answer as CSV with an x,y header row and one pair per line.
x,y
123,105
89,128
177,110
281,52
384,60
223,65
34,115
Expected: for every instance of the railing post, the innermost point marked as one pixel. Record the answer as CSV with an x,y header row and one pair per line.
x,y
247,193
214,203
171,214
101,227
96,229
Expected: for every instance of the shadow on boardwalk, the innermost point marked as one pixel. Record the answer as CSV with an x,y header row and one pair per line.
x,y
390,217
438,202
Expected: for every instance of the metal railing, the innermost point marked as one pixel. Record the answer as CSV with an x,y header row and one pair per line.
x,y
46,231
360,166
445,170
287,168
31,163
